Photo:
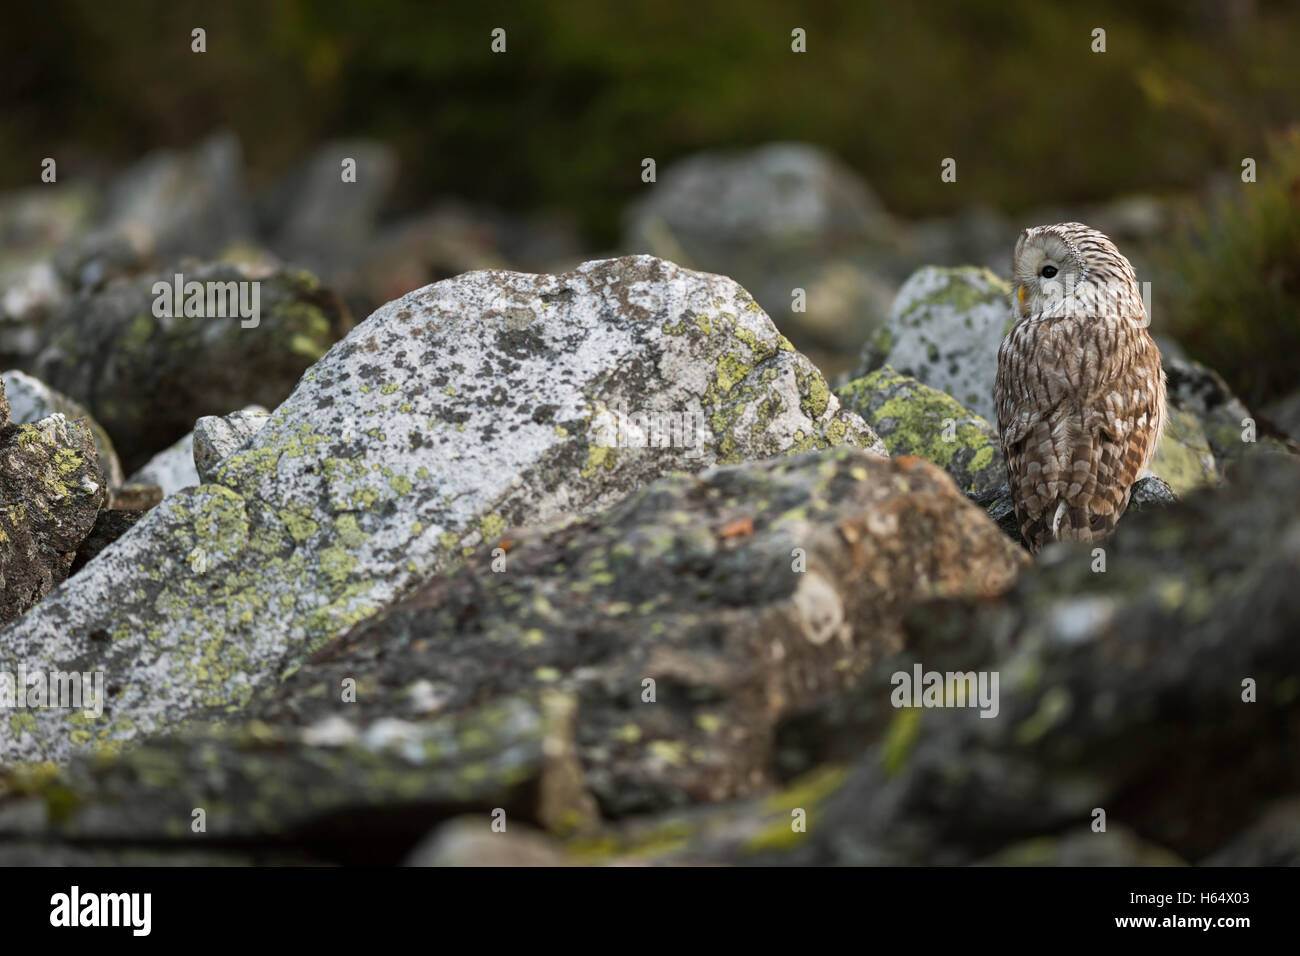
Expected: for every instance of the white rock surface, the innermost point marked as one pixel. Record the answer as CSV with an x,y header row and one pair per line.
x,y
171,469
944,330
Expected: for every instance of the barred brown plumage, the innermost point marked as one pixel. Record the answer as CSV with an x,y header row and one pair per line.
x,y
1080,390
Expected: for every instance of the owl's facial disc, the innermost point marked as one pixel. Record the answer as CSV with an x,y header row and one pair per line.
x,y
1045,270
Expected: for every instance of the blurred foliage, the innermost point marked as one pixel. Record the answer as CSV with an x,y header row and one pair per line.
x,y
588,88
1237,300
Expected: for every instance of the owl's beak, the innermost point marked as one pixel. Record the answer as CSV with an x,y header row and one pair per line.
x,y
1020,292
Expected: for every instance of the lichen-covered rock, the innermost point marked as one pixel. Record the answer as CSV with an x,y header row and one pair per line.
x,y
216,436
171,470
914,419
460,409
944,330
110,524
707,604
30,400
742,594
147,379
1183,458
1230,428
1108,682
334,792
51,489
1150,492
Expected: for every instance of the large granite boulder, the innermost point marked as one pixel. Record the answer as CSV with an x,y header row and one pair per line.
x,y
486,401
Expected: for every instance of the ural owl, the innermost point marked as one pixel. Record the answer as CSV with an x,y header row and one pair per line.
x,y
1080,391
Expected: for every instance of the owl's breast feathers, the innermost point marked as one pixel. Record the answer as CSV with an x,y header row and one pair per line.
x,y
1080,404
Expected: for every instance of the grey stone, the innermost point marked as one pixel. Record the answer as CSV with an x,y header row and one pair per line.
x,y
217,436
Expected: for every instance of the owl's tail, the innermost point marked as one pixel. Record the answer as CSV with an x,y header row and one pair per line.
x,y
1082,491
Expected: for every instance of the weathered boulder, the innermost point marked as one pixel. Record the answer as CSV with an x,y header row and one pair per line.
x,y
944,329
778,194
147,378
1183,458
216,436
319,218
465,407
1230,428
30,400
1162,692
914,419
741,594
51,489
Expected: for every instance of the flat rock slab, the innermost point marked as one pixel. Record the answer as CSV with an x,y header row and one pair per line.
x,y
489,400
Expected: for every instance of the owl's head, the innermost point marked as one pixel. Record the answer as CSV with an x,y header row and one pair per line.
x,y
1056,268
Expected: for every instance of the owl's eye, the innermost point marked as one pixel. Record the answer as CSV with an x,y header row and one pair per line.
x,y
1047,271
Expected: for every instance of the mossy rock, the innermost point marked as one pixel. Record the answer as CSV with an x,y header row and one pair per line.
x,y
914,419
944,330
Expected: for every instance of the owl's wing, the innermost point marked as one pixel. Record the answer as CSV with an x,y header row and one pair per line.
x,y
1016,408
1077,465
1129,423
